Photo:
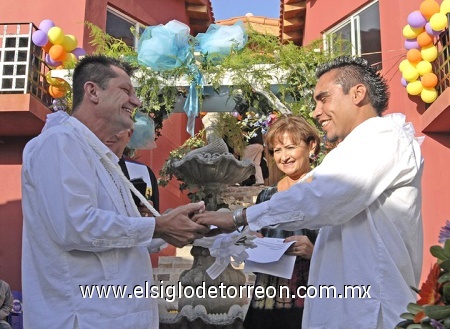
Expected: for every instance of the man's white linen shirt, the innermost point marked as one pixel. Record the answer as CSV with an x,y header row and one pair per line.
x,y
78,231
366,199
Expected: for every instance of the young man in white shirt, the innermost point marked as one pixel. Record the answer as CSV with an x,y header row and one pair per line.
x,y
365,197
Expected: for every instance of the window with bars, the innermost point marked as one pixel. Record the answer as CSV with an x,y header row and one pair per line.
x,y
13,62
22,69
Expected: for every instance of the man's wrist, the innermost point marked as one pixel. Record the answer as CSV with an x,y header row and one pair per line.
x,y
239,218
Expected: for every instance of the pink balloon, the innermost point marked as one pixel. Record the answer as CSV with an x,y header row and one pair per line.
x,y
411,44
78,52
39,38
416,19
46,25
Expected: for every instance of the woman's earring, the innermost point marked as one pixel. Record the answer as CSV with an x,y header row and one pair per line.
x,y
313,157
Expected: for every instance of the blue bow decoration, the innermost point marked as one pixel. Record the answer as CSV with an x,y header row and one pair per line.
x,y
165,47
191,106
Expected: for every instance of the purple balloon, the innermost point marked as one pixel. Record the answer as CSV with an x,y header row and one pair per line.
x,y
430,30
416,19
411,44
39,38
59,104
404,82
51,62
78,52
46,25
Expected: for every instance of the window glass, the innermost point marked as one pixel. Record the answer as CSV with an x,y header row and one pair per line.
x,y
358,35
370,34
340,42
119,26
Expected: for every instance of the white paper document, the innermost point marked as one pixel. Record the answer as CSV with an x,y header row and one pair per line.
x,y
268,257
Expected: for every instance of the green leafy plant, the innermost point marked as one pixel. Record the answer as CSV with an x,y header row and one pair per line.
x,y
252,76
432,309
166,173
250,66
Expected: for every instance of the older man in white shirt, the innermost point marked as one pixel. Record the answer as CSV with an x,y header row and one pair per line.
x,y
366,199
82,230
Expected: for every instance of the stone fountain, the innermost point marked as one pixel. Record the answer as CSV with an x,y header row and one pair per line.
x,y
211,167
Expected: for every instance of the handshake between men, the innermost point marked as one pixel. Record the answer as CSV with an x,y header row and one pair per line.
x,y
177,228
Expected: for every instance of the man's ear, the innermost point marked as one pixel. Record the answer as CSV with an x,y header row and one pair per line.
x,y
90,90
358,93
312,145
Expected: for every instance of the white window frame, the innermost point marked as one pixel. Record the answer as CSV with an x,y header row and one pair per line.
x,y
355,31
14,77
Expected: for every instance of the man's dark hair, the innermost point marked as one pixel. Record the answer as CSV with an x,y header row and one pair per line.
x,y
98,69
353,70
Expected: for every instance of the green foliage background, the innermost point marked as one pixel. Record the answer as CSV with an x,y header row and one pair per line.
x,y
158,94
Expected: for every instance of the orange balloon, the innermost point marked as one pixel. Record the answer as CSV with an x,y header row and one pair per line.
x,y
424,39
57,53
56,92
414,56
429,7
429,80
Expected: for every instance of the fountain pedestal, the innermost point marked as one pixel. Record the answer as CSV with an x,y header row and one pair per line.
x,y
216,295
212,168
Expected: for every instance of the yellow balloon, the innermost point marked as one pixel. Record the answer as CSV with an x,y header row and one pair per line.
x,y
438,21
414,88
55,35
410,32
429,53
70,58
424,67
49,78
445,7
428,95
404,64
410,74
70,42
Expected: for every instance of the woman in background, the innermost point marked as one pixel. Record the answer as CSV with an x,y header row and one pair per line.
x,y
294,145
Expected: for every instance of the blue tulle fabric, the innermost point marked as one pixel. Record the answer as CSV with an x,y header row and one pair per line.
x,y
143,137
221,39
165,47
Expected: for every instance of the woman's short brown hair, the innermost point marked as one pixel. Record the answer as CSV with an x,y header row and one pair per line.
x,y
296,127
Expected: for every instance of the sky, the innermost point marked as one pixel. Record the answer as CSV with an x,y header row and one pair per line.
x,y
224,9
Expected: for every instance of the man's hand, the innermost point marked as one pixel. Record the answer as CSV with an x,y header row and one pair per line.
x,y
177,228
302,247
223,220
144,211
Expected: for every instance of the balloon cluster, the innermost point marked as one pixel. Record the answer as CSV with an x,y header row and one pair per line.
x,y
423,26
60,49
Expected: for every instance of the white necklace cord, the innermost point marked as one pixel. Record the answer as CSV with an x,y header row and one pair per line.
x,y
109,165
